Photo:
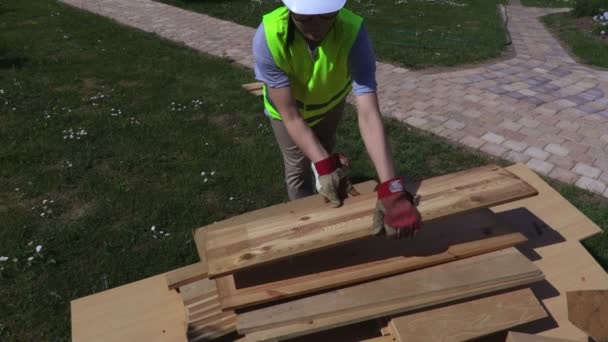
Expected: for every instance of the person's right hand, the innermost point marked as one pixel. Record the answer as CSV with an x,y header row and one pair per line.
x,y
334,183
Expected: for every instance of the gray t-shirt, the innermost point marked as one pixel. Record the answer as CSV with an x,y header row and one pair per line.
x,y
361,62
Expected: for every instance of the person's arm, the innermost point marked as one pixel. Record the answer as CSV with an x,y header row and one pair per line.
x,y
277,86
372,131
299,131
362,64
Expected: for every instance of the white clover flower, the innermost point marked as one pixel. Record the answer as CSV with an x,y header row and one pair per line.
x,y
3,258
153,228
38,248
30,258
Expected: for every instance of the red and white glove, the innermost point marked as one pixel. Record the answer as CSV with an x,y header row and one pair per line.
x,y
334,183
396,215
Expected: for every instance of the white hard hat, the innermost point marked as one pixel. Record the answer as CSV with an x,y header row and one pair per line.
x,y
311,7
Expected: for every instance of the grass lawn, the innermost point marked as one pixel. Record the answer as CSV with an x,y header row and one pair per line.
x,y
548,3
575,34
105,132
413,33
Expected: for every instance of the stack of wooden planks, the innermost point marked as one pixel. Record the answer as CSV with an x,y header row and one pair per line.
x,y
205,318
470,255
302,268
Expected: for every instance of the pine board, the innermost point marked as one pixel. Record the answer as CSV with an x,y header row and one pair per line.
x,y
468,320
273,238
427,286
470,241
298,207
144,310
566,264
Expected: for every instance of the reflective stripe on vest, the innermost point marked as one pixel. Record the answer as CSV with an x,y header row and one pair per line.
x,y
317,85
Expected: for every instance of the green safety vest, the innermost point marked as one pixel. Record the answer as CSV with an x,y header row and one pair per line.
x,y
317,85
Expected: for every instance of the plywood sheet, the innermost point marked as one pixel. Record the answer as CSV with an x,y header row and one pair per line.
x,y
442,281
254,243
468,320
554,227
141,311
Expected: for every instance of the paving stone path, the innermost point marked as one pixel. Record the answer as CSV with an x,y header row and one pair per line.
x,y
540,107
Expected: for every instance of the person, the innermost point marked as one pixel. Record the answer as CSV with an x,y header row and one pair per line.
x,y
310,54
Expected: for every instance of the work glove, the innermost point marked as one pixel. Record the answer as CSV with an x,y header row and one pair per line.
x,y
396,214
334,183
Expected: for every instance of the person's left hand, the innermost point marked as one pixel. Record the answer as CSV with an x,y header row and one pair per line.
x,y
396,215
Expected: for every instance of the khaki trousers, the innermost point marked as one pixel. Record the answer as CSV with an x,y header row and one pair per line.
x,y
298,173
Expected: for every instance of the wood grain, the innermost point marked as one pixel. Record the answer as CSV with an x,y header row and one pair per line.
x,y
468,320
185,275
437,283
298,207
588,310
258,242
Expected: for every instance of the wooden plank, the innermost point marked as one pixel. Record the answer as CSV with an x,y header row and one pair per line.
x,y
185,275
225,285
355,316
566,263
273,238
144,310
513,336
296,207
437,284
206,320
367,271
197,291
468,320
588,310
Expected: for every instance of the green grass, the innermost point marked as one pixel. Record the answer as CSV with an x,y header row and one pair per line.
x,y
548,3
142,167
413,33
575,34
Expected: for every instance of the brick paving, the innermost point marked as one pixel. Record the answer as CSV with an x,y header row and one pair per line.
x,y
540,107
